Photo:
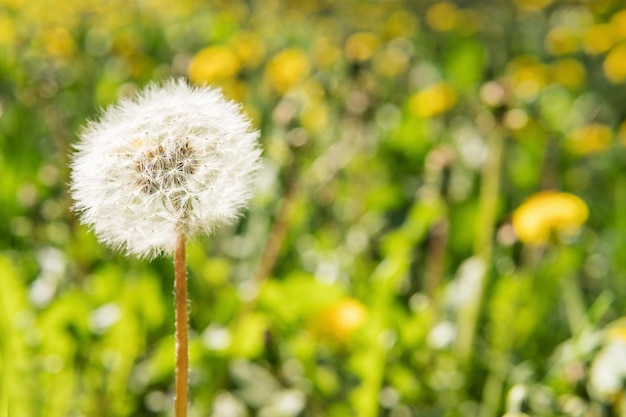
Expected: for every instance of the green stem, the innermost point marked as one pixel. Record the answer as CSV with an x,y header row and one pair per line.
x,y
5,364
575,309
492,391
483,244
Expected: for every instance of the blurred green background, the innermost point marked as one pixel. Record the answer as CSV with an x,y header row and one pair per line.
x,y
439,228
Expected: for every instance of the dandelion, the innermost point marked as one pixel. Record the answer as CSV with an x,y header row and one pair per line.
x,y
340,321
288,68
433,100
173,162
443,16
361,46
589,139
546,213
213,64
568,72
614,64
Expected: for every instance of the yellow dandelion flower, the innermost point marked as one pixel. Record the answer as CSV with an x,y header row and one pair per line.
x,y
618,21
433,100
313,90
391,61
58,42
528,77
325,52
598,39
547,213
529,81
234,89
442,16
249,49
7,30
621,133
614,65
561,41
589,139
533,5
401,24
287,69
314,117
361,46
213,64
339,322
568,72
13,4
469,22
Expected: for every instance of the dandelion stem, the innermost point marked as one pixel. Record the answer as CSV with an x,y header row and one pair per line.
x,y
182,353
280,227
4,357
483,244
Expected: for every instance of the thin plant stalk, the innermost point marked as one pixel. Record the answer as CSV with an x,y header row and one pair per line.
x,y
574,305
278,234
4,358
483,249
182,333
483,244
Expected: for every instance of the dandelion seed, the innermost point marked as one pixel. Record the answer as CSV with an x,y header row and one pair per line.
x,y
173,160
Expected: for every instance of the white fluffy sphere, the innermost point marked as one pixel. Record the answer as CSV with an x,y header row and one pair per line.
x,y
172,160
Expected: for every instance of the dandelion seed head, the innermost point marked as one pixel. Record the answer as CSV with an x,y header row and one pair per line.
x,y
173,159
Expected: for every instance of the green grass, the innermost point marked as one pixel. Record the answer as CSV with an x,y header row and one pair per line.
x,y
376,187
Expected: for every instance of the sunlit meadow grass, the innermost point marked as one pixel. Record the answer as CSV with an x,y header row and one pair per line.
x,y
437,228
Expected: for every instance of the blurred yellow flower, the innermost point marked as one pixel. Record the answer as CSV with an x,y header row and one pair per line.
x,y
313,90
127,42
469,21
614,65
433,100
7,30
528,77
533,5
325,52
588,139
57,41
598,39
287,68
361,46
401,24
528,82
314,117
618,21
561,41
213,64
339,322
442,16
234,89
568,72
249,49
391,61
621,133
13,3
547,213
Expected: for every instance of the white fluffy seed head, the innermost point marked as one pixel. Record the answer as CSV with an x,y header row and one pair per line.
x,y
173,159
